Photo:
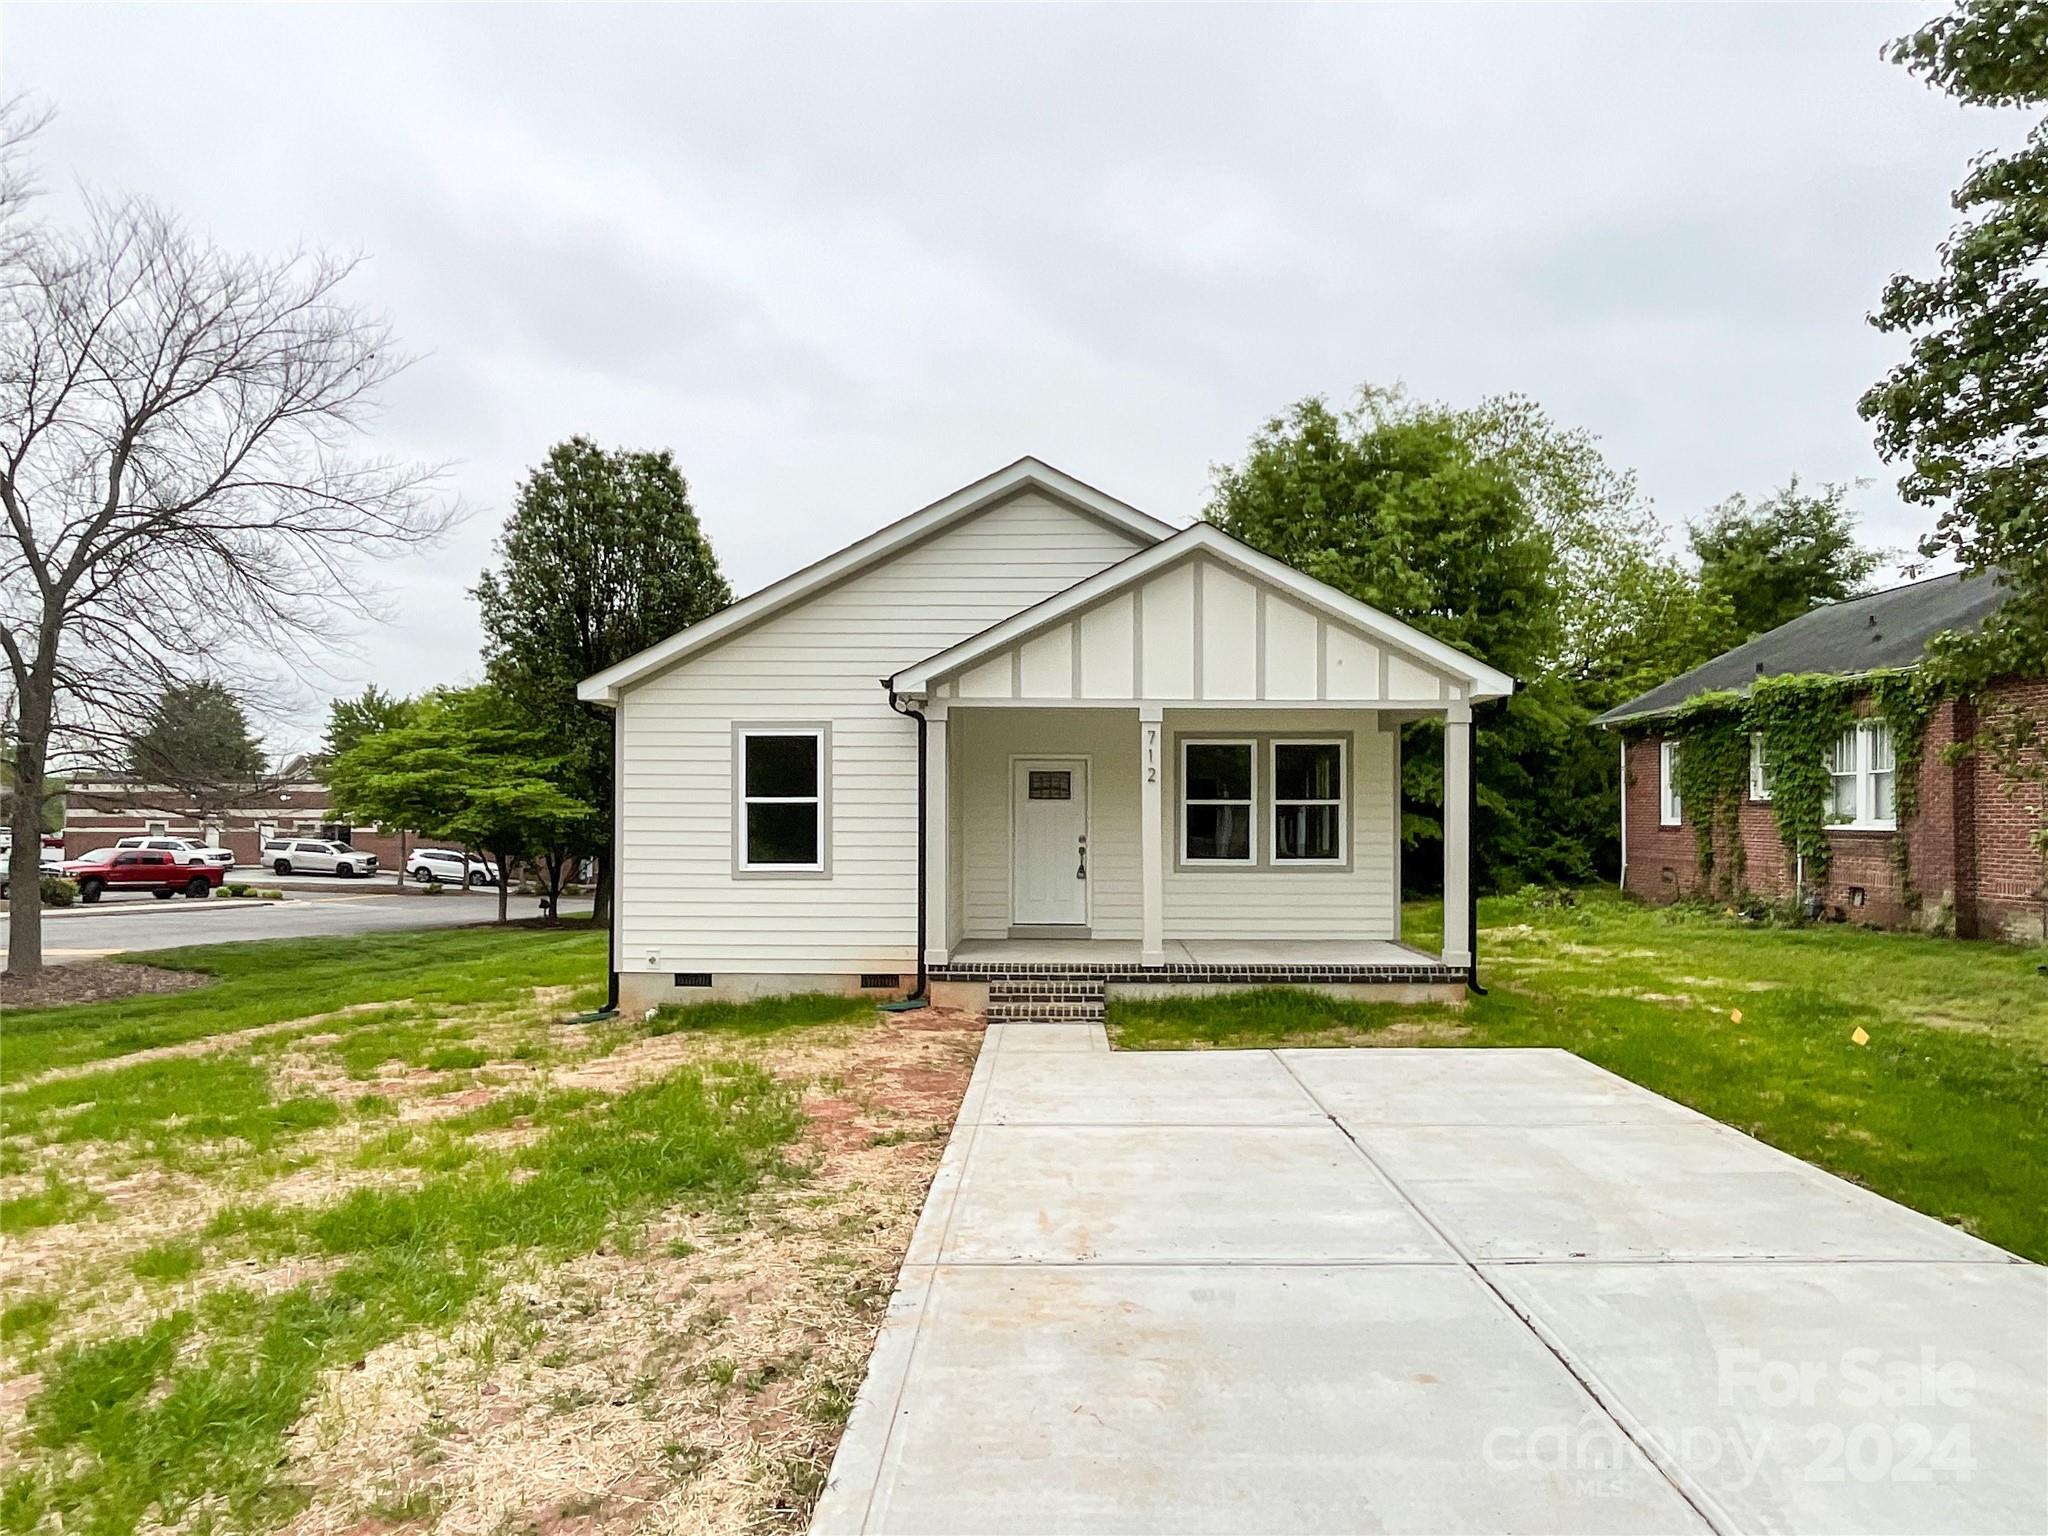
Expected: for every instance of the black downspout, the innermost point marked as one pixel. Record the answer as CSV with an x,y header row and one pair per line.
x,y
611,934
922,992
1471,858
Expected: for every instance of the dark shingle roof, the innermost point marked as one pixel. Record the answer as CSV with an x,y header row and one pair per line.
x,y
1864,634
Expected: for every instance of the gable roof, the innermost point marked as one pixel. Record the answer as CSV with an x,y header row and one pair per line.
x,y
1484,682
1026,474
1883,630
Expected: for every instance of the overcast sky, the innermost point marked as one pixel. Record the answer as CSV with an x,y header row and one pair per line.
x,y
843,261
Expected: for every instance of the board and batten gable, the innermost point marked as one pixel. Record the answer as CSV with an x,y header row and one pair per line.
x,y
819,661
1201,631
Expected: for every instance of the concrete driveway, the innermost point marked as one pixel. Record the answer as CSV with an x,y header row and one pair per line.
x,y
1423,1290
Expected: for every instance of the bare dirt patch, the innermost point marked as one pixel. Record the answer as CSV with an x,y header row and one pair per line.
x,y
696,1383
93,981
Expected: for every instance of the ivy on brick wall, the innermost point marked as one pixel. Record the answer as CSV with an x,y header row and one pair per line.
x,y
1798,718
1905,701
1713,777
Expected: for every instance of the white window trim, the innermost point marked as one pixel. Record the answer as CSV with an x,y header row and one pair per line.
x,y
1341,802
1670,809
819,802
1759,779
1866,819
1251,805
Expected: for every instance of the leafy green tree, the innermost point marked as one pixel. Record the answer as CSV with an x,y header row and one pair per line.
x,y
465,767
350,720
601,558
196,738
1771,560
1967,411
1444,519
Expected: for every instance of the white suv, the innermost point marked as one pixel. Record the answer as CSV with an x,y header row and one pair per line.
x,y
183,849
435,866
308,855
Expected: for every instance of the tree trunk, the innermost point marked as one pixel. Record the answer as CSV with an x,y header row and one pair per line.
x,y
25,821
504,882
601,891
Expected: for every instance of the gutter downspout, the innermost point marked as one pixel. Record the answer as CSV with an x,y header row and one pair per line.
x,y
611,933
922,992
1621,784
1472,861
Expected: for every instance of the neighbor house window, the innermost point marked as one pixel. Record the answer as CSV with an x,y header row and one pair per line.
x,y
1308,802
1759,773
1216,801
782,799
1864,770
1669,810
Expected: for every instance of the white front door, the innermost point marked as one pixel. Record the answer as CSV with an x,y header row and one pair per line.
x,y
1049,841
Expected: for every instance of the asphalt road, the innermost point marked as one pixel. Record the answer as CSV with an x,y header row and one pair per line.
x,y
123,924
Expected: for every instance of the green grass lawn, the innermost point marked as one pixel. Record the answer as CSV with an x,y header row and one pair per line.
x,y
263,983
1945,1109
415,1080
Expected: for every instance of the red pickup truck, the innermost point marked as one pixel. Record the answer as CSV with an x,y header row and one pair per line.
x,y
140,869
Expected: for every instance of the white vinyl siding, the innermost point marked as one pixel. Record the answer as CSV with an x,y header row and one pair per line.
x,y
684,907
1210,902
1355,900
982,744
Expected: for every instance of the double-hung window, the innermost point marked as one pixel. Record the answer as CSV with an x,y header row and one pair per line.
x,y
781,814
1864,771
1308,802
1216,798
1759,770
1670,810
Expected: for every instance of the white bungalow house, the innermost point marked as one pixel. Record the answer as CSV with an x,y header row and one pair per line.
x,y
1023,745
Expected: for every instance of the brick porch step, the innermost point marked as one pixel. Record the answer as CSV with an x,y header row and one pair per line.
x,y
1064,1000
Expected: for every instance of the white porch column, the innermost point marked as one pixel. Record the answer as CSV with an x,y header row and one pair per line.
x,y
1151,838
938,821
1458,835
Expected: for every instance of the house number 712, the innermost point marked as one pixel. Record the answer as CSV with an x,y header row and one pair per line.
x,y
1151,754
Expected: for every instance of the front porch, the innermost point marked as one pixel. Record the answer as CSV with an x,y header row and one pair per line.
x,y
1064,979
979,959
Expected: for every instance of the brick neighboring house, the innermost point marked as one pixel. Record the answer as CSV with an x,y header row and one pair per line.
x,y
1967,847
97,812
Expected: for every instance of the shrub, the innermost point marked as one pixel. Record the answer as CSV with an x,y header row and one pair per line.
x,y
237,888
271,895
58,891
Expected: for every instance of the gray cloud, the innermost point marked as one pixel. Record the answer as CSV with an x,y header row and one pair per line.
x,y
842,260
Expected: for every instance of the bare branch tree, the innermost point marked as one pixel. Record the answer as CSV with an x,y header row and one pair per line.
x,y
180,479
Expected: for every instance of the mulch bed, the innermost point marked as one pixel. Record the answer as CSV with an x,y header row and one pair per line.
x,y
93,981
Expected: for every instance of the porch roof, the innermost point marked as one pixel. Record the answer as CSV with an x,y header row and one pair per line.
x,y
1202,617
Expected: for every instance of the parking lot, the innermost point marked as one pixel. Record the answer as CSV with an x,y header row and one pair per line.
x,y
313,905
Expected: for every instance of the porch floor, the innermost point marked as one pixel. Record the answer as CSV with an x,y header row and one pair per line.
x,y
1185,952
